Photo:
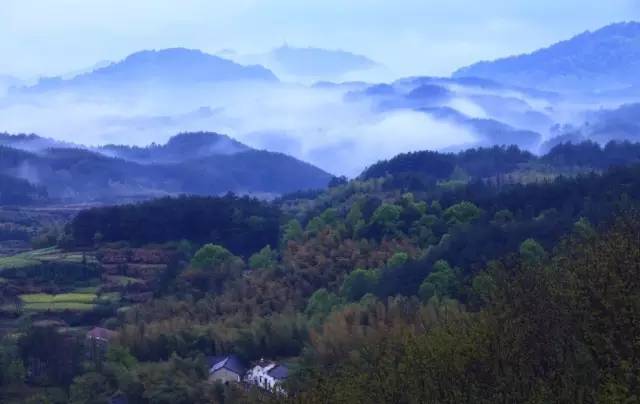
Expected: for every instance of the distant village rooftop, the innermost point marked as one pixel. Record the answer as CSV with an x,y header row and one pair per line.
x,y
102,334
267,375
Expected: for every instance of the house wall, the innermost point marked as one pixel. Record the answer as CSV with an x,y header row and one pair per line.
x,y
224,375
260,376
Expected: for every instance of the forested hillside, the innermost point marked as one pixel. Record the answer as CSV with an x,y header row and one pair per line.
x,y
15,191
242,225
552,328
290,202
189,163
604,59
498,276
213,164
491,162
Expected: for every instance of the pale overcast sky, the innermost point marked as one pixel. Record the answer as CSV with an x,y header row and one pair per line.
x,y
408,36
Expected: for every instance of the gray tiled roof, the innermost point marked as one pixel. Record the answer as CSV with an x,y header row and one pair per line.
x,y
212,360
279,372
229,362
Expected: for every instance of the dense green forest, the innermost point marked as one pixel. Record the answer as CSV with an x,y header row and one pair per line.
x,y
212,164
244,225
16,191
490,162
490,275
549,328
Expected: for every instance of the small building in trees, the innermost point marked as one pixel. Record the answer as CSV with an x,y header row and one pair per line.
x,y
101,335
97,343
225,369
268,375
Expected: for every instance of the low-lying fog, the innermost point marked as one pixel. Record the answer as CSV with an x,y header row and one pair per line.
x,y
341,129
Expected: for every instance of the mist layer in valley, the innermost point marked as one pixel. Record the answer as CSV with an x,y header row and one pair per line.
x,y
341,127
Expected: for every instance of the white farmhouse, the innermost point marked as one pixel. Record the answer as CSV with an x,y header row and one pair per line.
x,y
268,375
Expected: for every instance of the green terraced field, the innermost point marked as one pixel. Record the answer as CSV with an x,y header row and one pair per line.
x,y
43,298
40,302
36,257
17,261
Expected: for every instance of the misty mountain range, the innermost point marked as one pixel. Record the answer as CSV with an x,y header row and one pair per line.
x,y
502,115
308,63
532,101
190,163
601,126
180,66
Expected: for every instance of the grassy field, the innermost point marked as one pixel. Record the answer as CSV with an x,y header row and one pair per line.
x,y
82,283
61,302
36,257
17,261
61,298
76,301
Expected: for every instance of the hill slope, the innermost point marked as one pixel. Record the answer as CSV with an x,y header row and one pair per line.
x,y
200,163
605,59
178,148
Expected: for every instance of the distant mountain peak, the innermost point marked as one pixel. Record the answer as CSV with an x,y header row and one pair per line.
x,y
186,145
183,63
215,143
600,60
313,49
154,55
317,62
165,66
